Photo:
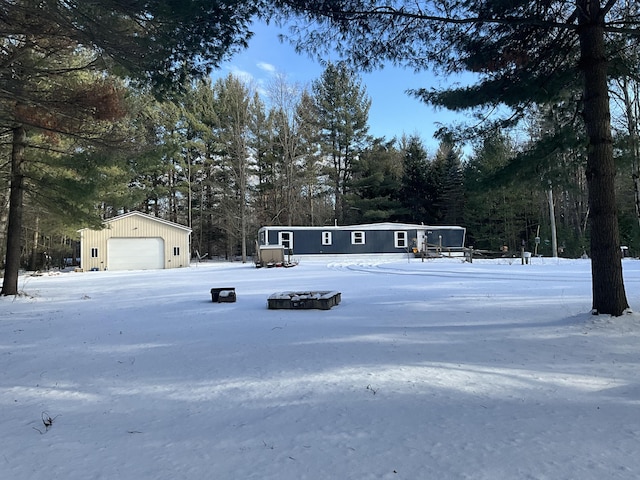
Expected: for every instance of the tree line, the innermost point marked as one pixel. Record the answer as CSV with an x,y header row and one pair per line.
x,y
225,159
99,108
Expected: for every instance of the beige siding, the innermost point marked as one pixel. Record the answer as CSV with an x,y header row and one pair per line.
x,y
134,225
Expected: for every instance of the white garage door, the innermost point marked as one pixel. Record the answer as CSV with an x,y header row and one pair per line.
x,y
135,253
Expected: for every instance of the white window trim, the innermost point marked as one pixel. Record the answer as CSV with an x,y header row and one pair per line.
x,y
289,241
327,238
400,236
358,238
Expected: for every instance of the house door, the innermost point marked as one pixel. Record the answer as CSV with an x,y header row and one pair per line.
x,y
421,241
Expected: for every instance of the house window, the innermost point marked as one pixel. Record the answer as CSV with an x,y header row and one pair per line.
x,y
176,251
286,240
357,238
94,252
400,239
326,238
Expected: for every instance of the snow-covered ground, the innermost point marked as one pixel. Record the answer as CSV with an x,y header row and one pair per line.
x,y
425,370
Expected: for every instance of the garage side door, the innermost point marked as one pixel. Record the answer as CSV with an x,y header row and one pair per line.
x,y
135,253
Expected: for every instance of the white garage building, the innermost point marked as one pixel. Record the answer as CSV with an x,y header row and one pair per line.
x,y
135,241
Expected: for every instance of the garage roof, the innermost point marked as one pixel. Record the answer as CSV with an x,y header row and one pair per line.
x,y
143,215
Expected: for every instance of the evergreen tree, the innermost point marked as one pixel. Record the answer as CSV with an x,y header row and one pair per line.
x,y
497,210
375,185
414,194
64,117
449,185
625,92
261,131
164,42
342,106
43,89
200,117
236,165
315,188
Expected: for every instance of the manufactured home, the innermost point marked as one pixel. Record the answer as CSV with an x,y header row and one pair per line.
x,y
135,241
374,238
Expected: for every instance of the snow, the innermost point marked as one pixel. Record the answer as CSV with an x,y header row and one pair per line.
x,y
425,370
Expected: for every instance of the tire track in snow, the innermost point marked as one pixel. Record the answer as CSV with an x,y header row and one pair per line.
x,y
387,269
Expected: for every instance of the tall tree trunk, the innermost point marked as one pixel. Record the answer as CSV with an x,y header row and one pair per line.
x,y
4,220
606,263
552,221
244,235
16,207
34,250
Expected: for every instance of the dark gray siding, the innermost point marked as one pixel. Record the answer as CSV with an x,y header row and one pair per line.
x,y
451,238
309,242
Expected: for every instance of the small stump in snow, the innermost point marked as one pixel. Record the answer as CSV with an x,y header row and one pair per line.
x,y
223,295
304,300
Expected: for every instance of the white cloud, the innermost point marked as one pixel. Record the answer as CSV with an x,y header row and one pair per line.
x,y
267,67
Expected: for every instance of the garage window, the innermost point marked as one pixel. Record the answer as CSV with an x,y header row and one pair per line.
x,y
176,251
94,252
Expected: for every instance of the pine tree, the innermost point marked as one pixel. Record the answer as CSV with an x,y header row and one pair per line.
x,y
450,201
414,194
375,185
315,188
496,210
43,89
233,133
65,117
342,106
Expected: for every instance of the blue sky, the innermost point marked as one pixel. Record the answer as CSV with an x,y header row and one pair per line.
x,y
393,112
